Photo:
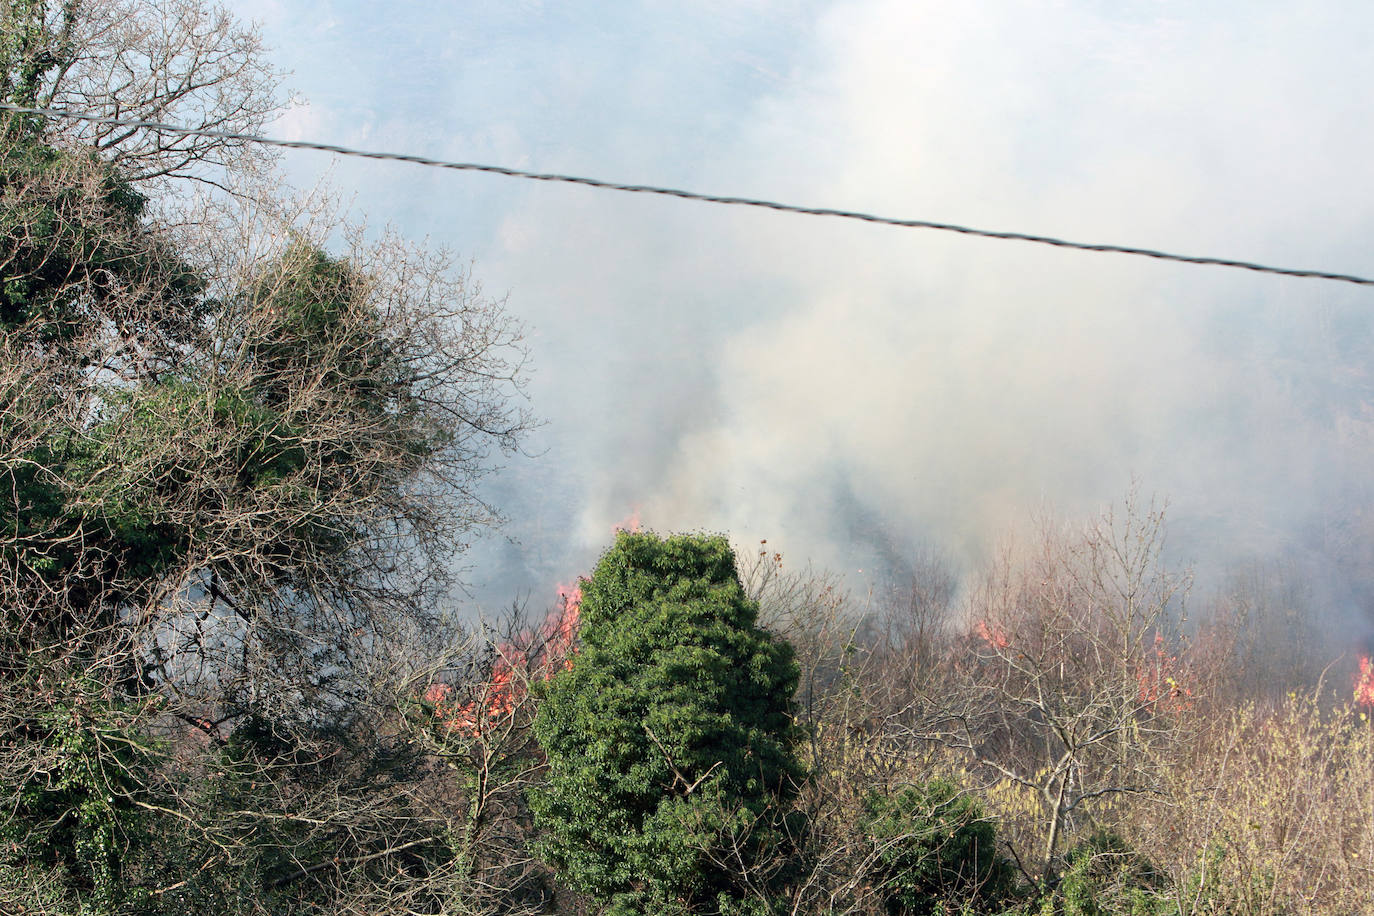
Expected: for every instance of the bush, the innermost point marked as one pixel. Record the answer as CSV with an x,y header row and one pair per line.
x,y
1271,812
933,848
1103,876
77,829
669,738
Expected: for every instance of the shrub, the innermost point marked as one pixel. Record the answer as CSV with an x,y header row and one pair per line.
x,y
669,738
1103,876
933,847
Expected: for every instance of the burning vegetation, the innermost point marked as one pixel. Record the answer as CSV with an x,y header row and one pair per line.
x,y
529,656
1072,738
1364,683
241,447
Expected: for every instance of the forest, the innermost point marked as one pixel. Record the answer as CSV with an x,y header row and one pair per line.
x,y
241,447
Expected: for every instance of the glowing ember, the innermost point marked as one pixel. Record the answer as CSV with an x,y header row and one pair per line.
x,y
1364,683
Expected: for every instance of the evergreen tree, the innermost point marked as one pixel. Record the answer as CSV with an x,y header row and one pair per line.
x,y
670,740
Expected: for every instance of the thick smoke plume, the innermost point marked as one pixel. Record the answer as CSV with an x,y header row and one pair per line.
x,y
854,393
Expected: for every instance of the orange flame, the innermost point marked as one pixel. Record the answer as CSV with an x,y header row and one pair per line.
x,y
629,523
571,598
541,653
993,635
1364,683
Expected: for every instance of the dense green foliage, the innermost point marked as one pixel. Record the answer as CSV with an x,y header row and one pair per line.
x,y
82,819
670,739
1103,876
71,242
935,851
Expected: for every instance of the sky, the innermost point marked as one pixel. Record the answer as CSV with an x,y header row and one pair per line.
x,y
856,394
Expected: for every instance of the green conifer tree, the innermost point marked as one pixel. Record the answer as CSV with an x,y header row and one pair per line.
x,y
670,739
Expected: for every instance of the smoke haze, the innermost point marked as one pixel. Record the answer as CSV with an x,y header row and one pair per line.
x,y
850,392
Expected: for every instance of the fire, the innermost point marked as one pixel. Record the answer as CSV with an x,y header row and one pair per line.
x,y
993,635
571,598
559,631
450,715
540,653
629,523
1158,684
1364,683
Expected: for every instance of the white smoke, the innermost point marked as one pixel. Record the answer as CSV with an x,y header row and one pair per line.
x,y
849,391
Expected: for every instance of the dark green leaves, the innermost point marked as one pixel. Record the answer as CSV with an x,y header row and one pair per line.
x,y
670,740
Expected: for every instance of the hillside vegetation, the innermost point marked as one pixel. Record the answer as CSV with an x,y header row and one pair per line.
x,y
240,443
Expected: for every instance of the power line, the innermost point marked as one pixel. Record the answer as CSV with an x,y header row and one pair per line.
x,y
695,195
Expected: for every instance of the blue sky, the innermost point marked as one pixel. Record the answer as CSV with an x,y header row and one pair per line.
x,y
851,392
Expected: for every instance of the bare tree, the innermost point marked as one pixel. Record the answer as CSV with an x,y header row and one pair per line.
x,y
329,437
183,62
236,472
1072,679
872,677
